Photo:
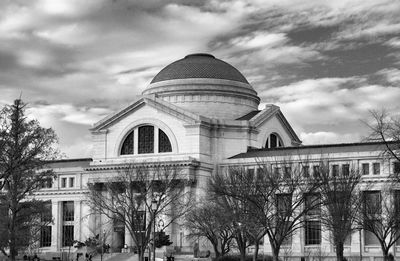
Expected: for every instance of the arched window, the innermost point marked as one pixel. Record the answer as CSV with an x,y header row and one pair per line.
x,y
146,139
273,141
143,140
164,145
127,146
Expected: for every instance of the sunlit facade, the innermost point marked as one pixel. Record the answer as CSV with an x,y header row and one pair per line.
x,y
201,114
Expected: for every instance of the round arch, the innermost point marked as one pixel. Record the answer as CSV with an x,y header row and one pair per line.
x,y
142,122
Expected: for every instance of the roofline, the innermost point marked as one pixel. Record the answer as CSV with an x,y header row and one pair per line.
x,y
69,160
316,146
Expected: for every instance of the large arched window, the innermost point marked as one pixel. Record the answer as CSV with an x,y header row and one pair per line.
x,y
146,139
273,141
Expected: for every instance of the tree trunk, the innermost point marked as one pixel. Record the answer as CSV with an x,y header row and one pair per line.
x,y
255,255
13,246
385,253
242,254
216,251
339,251
275,253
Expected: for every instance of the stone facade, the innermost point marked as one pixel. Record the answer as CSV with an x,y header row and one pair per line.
x,y
207,121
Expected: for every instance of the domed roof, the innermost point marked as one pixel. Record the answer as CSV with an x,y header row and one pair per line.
x,y
199,65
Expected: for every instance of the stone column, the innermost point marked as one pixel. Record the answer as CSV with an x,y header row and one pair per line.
x,y
77,220
56,227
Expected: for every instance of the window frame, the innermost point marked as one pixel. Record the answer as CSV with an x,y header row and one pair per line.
x,y
159,142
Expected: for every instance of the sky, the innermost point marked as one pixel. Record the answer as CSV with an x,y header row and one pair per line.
x,y
326,63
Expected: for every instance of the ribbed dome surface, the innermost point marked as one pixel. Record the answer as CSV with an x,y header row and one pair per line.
x,y
199,65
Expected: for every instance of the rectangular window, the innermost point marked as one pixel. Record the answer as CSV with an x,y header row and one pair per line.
x,y
372,202
306,171
64,182
68,210
283,204
250,174
313,232
146,139
47,183
316,171
365,168
140,221
335,170
345,170
312,204
396,167
288,172
46,216
67,235
376,168
71,182
277,171
45,236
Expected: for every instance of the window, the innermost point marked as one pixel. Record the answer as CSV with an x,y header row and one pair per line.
x,y
370,238
335,170
376,168
365,168
127,146
312,204
288,172
277,171
146,140
45,236
64,182
68,210
345,170
273,141
71,182
47,183
313,232
306,171
283,205
147,136
67,235
250,174
396,167
164,145
316,171
372,202
140,221
46,216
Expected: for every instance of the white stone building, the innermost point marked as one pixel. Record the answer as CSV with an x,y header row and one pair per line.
x,y
201,113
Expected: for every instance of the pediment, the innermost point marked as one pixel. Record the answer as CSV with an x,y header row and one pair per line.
x,y
154,102
272,111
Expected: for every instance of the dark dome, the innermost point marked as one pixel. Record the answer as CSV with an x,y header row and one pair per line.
x,y
199,65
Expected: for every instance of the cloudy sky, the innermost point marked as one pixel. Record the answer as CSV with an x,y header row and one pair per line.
x,y
325,63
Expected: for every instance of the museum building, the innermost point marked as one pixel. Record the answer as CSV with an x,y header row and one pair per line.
x,y
201,114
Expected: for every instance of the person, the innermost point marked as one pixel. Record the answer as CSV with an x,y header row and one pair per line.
x,y
390,257
86,257
35,258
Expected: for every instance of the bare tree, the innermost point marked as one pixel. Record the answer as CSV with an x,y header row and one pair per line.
x,y
234,191
340,194
208,221
277,199
386,128
381,217
140,194
25,149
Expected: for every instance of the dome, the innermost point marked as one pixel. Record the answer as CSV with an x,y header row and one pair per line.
x,y
199,65
205,85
